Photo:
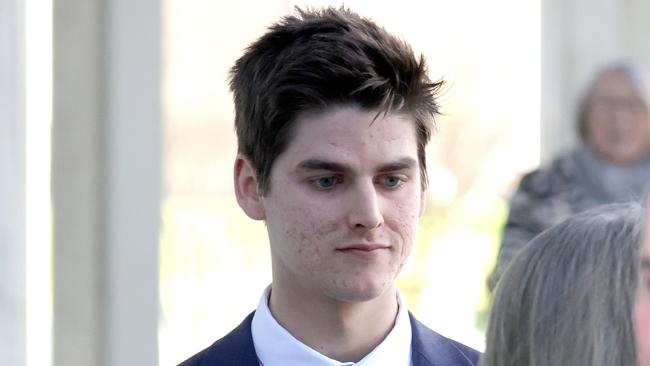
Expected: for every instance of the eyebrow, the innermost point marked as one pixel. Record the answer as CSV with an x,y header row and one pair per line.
x,y
320,164
401,164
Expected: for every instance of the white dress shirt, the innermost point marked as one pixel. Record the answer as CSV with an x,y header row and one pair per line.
x,y
275,346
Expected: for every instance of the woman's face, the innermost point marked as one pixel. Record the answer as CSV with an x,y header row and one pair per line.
x,y
618,127
642,303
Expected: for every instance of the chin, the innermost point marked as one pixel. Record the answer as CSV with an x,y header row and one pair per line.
x,y
624,155
360,291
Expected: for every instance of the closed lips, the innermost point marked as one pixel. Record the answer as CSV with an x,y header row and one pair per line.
x,y
364,247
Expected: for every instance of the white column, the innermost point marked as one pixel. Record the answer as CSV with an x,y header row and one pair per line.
x,y
106,182
77,184
134,134
636,13
554,95
12,194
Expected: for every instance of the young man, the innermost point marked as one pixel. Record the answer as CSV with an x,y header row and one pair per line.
x,y
332,116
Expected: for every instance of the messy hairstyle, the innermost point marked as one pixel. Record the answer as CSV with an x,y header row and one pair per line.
x,y
322,58
567,298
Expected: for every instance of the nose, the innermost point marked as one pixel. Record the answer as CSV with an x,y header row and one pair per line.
x,y
623,121
364,207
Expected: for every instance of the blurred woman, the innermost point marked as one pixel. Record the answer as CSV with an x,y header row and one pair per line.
x,y
611,165
568,297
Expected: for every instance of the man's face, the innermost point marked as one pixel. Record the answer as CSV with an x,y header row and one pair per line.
x,y
344,203
642,305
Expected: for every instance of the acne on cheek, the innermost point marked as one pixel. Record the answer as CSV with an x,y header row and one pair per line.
x,y
340,282
303,240
407,226
320,230
308,237
407,230
310,233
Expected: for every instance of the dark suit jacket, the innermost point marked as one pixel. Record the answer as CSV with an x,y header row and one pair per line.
x,y
428,349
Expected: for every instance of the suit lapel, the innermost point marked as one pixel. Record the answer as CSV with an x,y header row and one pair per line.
x,y
431,349
428,349
236,348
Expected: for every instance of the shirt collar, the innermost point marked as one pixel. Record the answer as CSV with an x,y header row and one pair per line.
x,y
275,346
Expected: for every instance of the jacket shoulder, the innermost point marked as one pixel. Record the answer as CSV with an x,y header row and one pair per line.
x,y
558,176
432,349
234,349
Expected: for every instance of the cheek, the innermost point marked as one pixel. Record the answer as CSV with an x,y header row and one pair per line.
x,y
641,132
302,233
405,218
642,329
597,136
409,210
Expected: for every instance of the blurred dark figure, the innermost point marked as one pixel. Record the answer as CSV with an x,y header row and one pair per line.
x,y
611,165
568,298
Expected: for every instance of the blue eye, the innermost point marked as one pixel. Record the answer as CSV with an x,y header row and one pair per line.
x,y
326,182
392,181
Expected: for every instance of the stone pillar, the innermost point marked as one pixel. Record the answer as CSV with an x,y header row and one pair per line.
x,y
12,183
106,182
133,180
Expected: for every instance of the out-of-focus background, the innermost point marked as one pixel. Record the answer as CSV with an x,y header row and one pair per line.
x,y
120,239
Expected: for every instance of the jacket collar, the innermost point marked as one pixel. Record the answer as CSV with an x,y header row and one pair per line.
x,y
432,349
236,348
428,349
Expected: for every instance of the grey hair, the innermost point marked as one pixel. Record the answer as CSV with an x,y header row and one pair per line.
x,y
567,298
634,73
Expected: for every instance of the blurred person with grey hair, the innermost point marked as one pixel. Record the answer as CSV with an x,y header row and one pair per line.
x,y
568,296
612,164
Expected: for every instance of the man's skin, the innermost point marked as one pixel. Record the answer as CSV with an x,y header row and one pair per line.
x,y
342,212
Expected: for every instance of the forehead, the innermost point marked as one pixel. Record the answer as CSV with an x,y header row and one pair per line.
x,y
615,83
349,133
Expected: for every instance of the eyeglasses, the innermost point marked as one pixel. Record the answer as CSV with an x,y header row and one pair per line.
x,y
612,104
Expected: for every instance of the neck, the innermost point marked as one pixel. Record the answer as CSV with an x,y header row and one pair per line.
x,y
343,331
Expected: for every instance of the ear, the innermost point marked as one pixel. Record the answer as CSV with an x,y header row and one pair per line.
x,y
423,201
246,190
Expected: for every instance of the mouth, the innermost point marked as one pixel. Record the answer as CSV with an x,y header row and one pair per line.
x,y
363,248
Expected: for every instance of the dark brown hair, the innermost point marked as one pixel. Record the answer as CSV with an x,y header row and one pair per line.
x,y
318,59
